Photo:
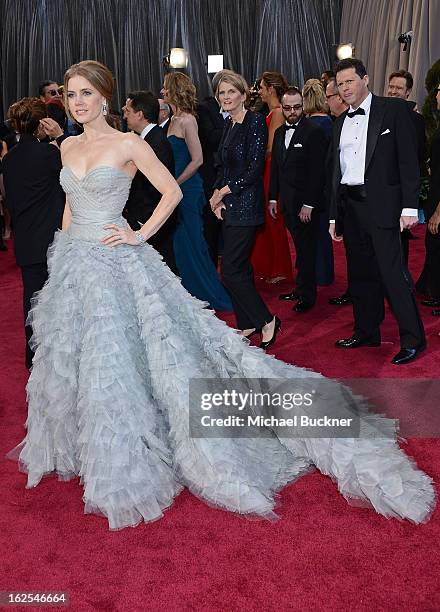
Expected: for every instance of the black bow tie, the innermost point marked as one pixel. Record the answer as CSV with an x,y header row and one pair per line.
x,y
359,111
290,127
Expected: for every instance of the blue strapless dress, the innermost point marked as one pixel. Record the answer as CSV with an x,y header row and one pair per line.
x,y
195,266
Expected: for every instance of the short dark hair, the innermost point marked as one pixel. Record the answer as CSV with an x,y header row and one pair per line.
x,y
403,74
352,62
42,86
57,113
146,102
329,74
292,90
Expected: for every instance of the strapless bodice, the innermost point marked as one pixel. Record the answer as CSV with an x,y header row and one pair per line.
x,y
95,200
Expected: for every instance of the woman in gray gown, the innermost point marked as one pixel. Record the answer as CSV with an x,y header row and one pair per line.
x,y
118,339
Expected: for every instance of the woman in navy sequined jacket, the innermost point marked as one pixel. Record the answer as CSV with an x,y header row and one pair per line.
x,y
242,153
239,201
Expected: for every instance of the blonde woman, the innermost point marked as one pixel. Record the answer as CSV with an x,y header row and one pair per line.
x,y
196,268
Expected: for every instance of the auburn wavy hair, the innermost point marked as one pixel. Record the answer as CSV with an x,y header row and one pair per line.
x,y
314,99
181,92
25,115
96,74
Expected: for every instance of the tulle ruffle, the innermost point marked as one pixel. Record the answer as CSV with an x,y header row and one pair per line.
x,y
117,340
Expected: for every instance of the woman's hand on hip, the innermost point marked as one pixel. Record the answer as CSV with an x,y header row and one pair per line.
x,y
119,235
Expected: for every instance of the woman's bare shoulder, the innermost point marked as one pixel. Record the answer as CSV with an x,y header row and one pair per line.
x,y
187,119
67,143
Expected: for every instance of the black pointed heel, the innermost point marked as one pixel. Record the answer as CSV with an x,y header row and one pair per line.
x,y
266,344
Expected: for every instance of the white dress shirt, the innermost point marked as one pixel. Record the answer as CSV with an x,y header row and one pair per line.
x,y
353,147
289,134
146,129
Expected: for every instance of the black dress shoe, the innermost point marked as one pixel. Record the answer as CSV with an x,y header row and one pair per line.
x,y
342,300
431,303
302,306
267,343
436,312
356,342
289,297
406,355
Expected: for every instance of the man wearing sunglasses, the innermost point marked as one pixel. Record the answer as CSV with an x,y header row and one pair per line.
x,y
49,91
297,177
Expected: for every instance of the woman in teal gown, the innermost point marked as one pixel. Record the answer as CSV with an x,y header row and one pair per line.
x,y
197,271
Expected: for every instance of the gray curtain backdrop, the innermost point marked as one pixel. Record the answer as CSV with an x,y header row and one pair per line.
x,y
41,38
373,26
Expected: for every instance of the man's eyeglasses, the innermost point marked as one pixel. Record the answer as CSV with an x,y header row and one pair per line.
x,y
56,92
287,108
331,96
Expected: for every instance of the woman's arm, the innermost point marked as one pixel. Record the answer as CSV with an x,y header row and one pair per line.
x,y
191,135
3,148
141,154
67,217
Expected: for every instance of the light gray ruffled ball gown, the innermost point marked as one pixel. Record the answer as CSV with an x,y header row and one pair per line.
x,y
117,339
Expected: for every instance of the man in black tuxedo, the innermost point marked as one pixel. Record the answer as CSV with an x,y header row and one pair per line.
x,y
375,194
211,122
141,112
35,199
297,177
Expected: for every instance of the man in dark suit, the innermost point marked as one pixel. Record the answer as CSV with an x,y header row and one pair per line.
x,y
297,177
400,84
211,122
375,194
141,112
35,199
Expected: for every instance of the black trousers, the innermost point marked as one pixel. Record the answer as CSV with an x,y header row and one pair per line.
x,y
305,238
34,276
404,239
238,277
376,268
429,281
211,230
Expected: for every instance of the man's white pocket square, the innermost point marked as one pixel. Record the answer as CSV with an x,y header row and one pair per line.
x,y
297,144
387,131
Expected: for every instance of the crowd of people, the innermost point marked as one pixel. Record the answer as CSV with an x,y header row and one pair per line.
x,y
118,338
267,159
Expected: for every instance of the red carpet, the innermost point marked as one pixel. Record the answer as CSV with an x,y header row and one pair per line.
x,y
322,555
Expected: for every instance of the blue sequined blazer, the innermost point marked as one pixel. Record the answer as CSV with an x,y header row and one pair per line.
x,y
241,157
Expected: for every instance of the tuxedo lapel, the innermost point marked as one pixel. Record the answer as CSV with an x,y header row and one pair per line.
x,y
377,111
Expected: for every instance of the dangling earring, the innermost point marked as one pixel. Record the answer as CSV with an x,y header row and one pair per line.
x,y
104,109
